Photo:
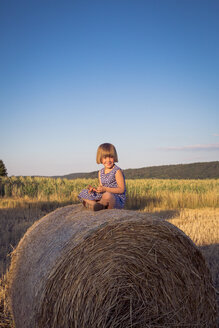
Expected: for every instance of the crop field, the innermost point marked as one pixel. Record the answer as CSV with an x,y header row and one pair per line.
x,y
143,194
191,205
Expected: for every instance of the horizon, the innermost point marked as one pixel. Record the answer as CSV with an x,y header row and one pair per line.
x,y
142,75
130,168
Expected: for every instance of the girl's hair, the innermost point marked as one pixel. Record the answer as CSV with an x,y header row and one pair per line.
x,y
106,149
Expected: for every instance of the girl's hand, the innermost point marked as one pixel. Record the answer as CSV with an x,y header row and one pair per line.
x,y
91,189
101,189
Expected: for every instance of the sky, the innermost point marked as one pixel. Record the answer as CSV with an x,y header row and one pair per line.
x,y
140,74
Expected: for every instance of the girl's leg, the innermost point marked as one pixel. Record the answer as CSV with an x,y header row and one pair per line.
x,y
108,199
93,205
90,202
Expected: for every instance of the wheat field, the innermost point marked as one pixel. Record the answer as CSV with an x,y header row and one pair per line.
x,y
191,205
141,193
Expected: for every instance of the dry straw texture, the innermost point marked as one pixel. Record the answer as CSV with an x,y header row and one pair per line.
x,y
113,268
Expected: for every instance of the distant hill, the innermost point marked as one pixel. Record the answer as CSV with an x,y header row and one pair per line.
x,y
205,170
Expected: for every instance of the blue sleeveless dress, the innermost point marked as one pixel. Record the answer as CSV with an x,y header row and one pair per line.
x,y
107,180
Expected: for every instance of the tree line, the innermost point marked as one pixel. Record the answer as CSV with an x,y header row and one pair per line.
x,y
203,170
3,170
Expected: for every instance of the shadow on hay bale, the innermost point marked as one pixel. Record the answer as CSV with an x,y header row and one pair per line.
x,y
113,268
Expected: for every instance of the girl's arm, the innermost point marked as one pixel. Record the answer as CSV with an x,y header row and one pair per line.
x,y
100,183
120,182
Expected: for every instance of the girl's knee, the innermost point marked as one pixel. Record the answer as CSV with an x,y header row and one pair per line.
x,y
108,199
108,196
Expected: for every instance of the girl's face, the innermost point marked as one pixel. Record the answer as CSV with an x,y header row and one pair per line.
x,y
108,161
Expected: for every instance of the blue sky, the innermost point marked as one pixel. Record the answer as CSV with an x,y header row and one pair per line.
x,y
143,75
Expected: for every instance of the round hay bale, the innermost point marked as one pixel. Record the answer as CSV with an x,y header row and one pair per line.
x,y
113,268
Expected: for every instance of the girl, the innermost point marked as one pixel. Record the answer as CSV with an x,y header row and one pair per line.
x,y
111,190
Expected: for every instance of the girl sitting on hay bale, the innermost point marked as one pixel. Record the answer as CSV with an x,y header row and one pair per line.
x,y
111,190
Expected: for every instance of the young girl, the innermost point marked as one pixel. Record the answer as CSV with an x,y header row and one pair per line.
x,y
111,190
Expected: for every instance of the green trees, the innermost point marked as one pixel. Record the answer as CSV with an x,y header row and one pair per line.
x,y
3,171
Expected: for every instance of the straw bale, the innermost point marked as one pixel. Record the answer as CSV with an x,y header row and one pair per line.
x,y
109,269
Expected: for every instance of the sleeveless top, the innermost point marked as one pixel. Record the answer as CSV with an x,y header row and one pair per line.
x,y
109,180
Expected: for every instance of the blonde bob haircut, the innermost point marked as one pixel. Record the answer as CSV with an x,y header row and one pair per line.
x,y
104,150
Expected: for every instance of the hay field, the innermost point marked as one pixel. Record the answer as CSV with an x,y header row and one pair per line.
x,y
191,205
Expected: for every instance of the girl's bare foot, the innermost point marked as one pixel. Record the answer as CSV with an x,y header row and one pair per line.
x,y
94,206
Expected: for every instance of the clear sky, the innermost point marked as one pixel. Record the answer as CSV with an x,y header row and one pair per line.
x,y
141,74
